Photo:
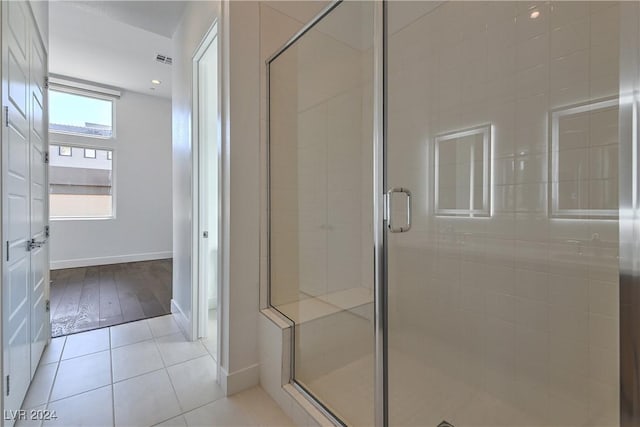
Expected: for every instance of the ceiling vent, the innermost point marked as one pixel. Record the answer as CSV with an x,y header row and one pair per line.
x,y
164,59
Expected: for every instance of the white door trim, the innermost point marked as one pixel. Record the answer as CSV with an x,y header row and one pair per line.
x,y
198,286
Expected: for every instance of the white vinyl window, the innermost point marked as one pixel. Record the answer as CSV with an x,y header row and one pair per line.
x,y
84,115
82,139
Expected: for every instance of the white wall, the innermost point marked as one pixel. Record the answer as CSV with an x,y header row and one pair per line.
x,y
241,116
142,174
239,37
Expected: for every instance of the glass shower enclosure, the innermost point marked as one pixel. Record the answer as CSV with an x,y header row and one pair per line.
x,y
452,211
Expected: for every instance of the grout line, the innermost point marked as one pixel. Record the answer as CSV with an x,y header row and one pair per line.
x,y
64,345
175,393
164,364
55,378
113,395
206,352
179,415
83,355
138,375
182,414
82,392
213,356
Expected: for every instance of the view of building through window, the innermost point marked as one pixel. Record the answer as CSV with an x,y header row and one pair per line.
x,y
81,115
80,185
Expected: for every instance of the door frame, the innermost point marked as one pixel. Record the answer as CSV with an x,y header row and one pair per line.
x,y
199,302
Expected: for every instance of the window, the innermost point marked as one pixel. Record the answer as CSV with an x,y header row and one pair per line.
x,y
463,173
89,153
584,161
81,186
64,151
109,155
70,113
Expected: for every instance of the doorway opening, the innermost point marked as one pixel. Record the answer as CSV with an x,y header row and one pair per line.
x,y
207,189
110,165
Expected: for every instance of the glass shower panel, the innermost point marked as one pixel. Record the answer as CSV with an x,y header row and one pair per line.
x,y
321,197
503,295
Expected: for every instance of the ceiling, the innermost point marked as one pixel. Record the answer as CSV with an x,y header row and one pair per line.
x,y
114,43
160,17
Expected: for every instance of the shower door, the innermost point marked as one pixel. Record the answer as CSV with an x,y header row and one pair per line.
x,y
321,198
503,282
495,143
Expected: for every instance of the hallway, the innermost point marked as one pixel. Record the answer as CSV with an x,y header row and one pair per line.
x,y
139,374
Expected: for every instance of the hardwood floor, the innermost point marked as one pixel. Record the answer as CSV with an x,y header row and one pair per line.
x,y
88,298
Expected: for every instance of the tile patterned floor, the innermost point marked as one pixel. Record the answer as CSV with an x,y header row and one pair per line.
x,y
140,374
87,298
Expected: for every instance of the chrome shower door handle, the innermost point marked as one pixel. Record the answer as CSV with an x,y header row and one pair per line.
x,y
389,214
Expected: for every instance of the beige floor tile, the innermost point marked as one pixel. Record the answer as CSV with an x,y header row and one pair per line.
x,y
53,351
31,419
223,412
82,374
263,410
195,382
176,349
178,421
130,333
165,381
163,325
145,400
93,408
86,343
40,387
211,346
135,359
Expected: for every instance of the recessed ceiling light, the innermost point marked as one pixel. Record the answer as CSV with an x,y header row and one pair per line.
x,y
156,82
535,14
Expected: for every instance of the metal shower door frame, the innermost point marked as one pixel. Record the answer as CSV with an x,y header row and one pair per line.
x,y
380,295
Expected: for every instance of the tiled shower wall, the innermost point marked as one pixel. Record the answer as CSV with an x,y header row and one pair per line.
x,y
321,197
506,320
519,308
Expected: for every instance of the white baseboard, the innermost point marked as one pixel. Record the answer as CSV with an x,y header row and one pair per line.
x,y
181,318
87,262
238,381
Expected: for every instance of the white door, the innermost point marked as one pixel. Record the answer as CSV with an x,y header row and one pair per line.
x,y
40,329
25,272
208,183
16,24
